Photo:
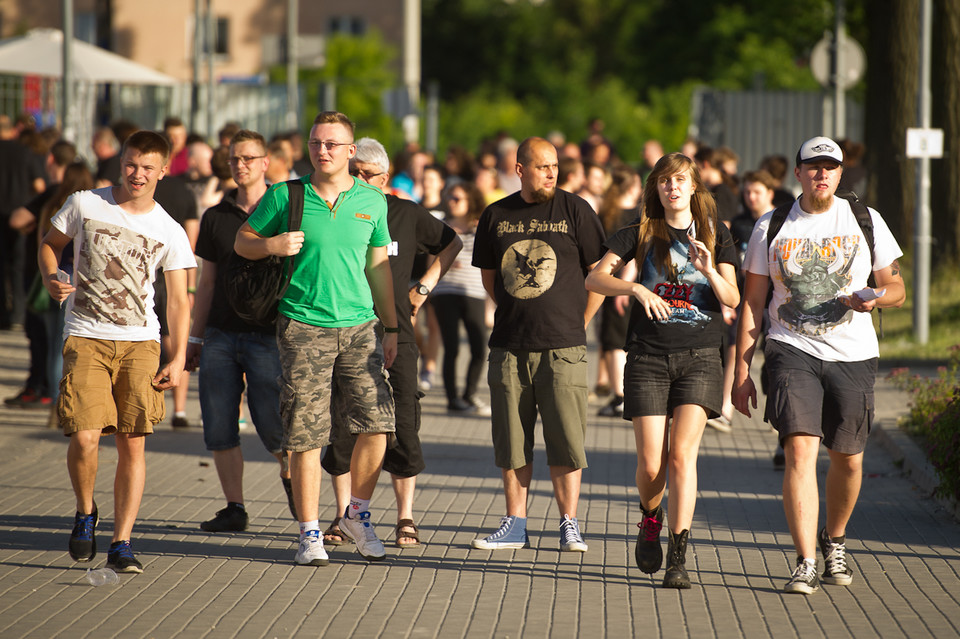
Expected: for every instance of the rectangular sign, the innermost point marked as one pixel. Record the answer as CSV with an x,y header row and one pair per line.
x,y
924,143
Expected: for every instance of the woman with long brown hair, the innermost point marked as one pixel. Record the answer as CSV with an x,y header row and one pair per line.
x,y
672,378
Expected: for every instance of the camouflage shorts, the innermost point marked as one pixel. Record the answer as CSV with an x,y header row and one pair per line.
x,y
312,360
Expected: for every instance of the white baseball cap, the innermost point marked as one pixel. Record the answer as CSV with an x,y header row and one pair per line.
x,y
819,148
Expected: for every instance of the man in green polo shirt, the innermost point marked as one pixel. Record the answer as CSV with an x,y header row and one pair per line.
x,y
326,327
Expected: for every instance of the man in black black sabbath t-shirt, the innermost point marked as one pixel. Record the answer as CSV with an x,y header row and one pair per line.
x,y
534,249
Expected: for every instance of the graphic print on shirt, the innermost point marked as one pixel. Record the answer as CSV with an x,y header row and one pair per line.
x,y
814,273
114,273
529,268
682,287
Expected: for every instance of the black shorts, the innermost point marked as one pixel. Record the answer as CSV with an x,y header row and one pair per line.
x,y
829,400
404,456
657,384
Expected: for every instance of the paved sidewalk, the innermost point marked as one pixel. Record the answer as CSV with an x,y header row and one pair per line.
x,y
903,545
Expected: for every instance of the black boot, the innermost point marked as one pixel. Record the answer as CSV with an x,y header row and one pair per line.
x,y
676,576
648,552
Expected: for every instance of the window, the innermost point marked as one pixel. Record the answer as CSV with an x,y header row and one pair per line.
x,y
348,25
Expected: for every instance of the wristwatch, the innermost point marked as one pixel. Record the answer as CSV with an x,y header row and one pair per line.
x,y
422,290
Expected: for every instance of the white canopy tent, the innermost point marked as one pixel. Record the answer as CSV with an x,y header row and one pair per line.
x,y
40,53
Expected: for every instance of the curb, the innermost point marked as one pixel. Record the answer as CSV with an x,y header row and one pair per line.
x,y
913,462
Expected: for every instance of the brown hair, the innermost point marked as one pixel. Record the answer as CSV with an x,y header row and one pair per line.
x,y
148,142
760,177
246,135
652,231
334,117
475,200
621,179
76,177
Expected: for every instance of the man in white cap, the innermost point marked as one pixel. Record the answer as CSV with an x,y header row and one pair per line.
x,y
821,351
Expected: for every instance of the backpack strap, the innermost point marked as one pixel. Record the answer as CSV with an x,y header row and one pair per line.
x,y
296,192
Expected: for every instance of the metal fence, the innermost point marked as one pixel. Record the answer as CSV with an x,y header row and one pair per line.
x,y
262,108
759,123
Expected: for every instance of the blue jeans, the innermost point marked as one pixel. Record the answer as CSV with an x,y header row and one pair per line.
x,y
224,360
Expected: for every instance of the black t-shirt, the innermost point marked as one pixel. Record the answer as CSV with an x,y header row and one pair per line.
x,y
31,267
696,321
218,230
109,170
412,230
728,205
541,254
18,172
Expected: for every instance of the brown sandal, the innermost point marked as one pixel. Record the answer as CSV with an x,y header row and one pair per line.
x,y
401,534
333,536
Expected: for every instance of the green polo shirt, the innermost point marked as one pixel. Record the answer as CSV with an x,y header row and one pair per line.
x,y
329,286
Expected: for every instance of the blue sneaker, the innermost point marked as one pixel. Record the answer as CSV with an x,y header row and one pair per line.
x,y
83,543
120,558
512,534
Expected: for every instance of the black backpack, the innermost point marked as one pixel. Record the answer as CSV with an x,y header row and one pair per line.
x,y
255,287
863,219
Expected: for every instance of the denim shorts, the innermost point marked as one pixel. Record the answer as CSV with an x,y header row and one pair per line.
x,y
553,382
830,400
657,384
225,359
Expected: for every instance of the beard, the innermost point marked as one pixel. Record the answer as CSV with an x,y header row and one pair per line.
x,y
819,203
543,195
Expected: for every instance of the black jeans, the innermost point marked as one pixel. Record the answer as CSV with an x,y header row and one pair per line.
x,y
451,310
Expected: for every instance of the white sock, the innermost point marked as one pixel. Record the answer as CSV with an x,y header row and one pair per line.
x,y
180,413
306,526
357,506
812,562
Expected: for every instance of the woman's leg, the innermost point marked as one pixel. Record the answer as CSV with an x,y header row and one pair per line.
x,y
685,433
651,437
473,321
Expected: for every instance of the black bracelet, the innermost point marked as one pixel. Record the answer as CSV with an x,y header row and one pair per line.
x,y
395,329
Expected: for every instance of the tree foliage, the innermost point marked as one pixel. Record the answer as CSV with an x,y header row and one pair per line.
x,y
634,64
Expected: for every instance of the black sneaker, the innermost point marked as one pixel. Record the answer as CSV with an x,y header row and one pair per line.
x,y
230,519
779,460
648,552
288,488
836,572
120,558
180,422
804,579
83,543
613,409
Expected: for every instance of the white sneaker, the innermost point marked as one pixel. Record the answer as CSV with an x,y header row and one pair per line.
x,y
311,552
361,531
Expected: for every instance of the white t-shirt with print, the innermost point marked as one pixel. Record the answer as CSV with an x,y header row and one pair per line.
x,y
116,256
813,261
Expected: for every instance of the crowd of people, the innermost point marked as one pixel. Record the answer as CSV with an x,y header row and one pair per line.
x,y
684,263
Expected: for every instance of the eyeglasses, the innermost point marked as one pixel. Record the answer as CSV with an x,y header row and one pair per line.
x,y
365,175
329,145
245,159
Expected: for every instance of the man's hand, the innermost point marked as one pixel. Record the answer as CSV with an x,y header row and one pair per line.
x,y
193,357
416,301
744,395
59,291
285,244
389,349
169,376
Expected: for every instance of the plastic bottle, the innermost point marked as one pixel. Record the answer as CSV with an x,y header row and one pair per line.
x,y
102,577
